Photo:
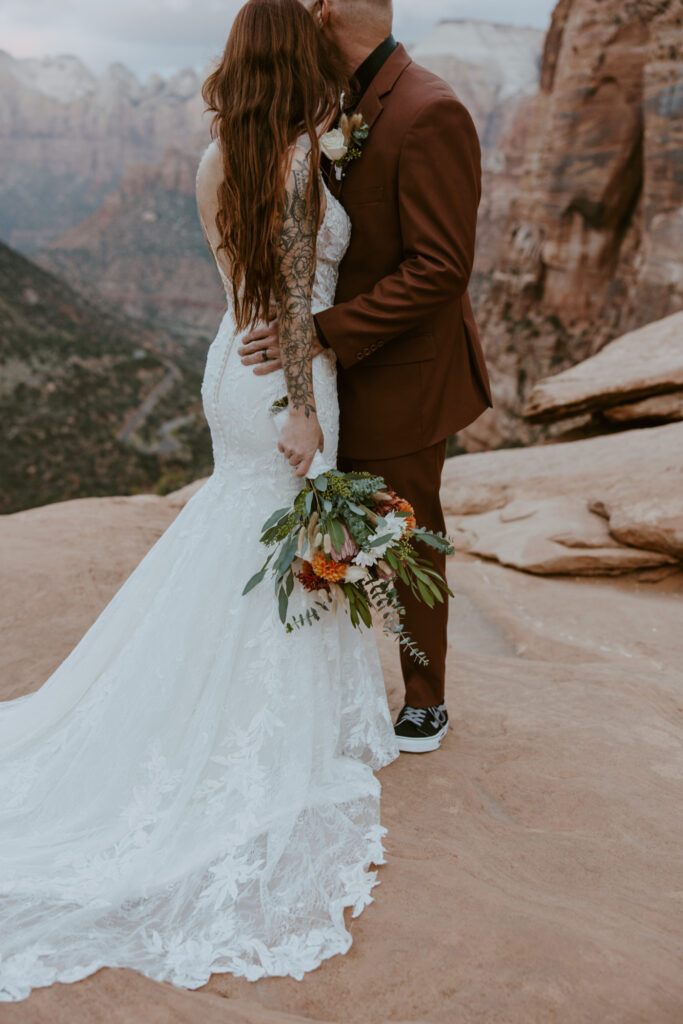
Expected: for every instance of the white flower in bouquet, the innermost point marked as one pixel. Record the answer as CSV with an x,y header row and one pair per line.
x,y
366,559
356,574
391,524
389,529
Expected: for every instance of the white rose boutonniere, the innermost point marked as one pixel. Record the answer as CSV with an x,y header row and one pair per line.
x,y
344,144
333,145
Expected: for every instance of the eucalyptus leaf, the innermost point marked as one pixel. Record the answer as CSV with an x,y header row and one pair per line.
x,y
381,540
435,591
283,602
336,534
254,581
275,518
401,570
320,483
286,556
426,594
364,612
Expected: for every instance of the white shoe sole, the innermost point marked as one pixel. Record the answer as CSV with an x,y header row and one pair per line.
x,y
421,745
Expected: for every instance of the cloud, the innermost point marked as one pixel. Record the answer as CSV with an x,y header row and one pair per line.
x,y
165,35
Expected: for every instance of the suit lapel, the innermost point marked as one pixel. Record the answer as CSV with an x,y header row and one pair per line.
x,y
370,104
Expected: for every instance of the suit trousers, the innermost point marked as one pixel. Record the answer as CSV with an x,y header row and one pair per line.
x,y
417,478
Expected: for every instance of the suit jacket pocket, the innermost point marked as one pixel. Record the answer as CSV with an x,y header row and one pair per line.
x,y
409,348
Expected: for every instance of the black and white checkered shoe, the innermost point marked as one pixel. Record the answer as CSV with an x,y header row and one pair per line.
x,y
419,730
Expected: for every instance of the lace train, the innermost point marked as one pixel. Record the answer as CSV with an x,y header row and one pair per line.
x,y
192,790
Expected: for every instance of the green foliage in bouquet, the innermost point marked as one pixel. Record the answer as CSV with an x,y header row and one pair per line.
x,y
346,540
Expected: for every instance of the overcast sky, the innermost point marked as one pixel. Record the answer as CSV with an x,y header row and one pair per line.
x,y
166,35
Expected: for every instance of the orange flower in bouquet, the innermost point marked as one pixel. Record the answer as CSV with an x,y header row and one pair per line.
x,y
328,570
411,522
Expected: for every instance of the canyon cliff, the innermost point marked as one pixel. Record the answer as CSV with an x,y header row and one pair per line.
x,y
143,251
90,402
594,239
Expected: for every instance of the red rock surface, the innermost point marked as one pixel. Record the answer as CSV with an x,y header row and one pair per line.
x,y
534,863
643,364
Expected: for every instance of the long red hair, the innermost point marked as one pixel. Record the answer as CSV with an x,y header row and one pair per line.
x,y
279,79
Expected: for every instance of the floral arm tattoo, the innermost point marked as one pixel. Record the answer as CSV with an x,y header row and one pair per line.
x,y
293,288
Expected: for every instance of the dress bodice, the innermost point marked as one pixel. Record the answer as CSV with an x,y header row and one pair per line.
x,y
234,395
333,241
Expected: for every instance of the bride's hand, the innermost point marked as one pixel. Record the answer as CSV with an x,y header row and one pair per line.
x,y
301,437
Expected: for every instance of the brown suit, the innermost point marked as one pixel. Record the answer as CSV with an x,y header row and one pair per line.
x,y
412,370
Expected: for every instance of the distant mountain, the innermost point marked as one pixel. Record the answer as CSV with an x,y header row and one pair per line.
x,y
487,65
67,137
88,405
143,251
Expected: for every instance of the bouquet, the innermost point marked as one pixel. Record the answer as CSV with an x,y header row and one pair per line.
x,y
346,540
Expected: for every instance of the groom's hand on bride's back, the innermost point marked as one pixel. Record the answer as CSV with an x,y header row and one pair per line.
x,y
267,339
261,344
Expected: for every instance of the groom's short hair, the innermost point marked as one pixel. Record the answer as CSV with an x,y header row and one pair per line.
x,y
383,7
373,9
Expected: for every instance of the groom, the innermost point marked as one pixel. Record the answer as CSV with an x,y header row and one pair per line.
x,y
411,367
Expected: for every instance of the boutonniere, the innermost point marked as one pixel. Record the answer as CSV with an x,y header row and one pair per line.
x,y
344,144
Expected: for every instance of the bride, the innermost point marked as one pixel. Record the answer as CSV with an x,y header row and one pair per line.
x,y
192,790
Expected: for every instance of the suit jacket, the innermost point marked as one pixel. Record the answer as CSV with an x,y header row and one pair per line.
x,y
411,366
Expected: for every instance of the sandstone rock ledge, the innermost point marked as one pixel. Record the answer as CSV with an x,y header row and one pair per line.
x,y
607,504
534,866
638,376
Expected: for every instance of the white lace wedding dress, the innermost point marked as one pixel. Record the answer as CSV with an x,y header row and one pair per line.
x,y
192,791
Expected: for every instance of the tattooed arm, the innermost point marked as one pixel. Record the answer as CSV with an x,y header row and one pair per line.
x,y
301,436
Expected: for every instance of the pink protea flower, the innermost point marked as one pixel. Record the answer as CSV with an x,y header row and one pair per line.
x,y
348,550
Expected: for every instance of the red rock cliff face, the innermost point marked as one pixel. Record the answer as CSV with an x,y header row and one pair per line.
x,y
594,244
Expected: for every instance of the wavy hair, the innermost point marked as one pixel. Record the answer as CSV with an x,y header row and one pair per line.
x,y
279,78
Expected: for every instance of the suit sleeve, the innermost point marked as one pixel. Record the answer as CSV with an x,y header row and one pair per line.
x,y
439,187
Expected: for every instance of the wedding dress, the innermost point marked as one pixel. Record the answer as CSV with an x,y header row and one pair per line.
x,y
192,790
